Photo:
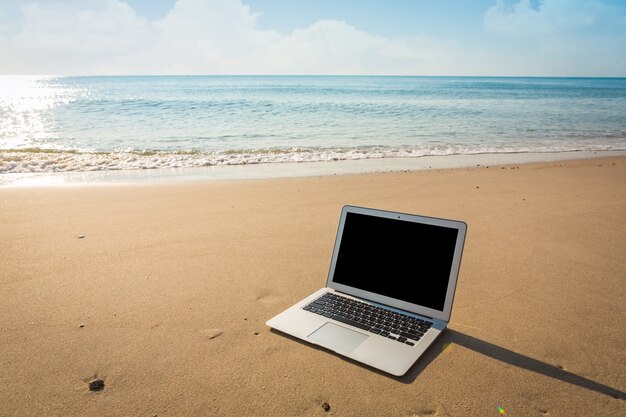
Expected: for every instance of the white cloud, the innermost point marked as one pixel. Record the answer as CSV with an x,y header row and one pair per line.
x,y
548,17
76,35
223,37
325,44
210,36
336,47
557,37
198,37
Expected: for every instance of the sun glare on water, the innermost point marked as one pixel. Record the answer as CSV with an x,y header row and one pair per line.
x,y
25,103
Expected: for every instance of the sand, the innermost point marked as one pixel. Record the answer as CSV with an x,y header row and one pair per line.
x,y
162,292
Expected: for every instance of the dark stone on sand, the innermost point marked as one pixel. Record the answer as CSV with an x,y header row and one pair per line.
x,y
326,407
81,326
81,236
96,385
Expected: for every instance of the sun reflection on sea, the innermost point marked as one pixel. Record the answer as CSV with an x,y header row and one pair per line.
x,y
25,105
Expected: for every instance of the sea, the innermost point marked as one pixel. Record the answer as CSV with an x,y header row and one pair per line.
x,y
52,124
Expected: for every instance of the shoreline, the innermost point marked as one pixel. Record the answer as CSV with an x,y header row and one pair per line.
x,y
290,169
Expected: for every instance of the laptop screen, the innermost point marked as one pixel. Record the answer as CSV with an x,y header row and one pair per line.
x,y
400,259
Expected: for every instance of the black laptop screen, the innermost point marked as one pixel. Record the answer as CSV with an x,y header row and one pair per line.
x,y
396,258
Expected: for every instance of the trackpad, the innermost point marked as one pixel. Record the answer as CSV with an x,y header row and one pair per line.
x,y
337,338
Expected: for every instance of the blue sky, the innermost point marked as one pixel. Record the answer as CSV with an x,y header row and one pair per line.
x,y
385,17
401,37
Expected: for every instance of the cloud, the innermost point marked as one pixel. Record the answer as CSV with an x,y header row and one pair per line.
x,y
553,37
198,37
210,36
324,44
336,45
80,35
552,16
558,37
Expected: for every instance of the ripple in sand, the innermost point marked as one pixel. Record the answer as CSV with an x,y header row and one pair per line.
x,y
212,333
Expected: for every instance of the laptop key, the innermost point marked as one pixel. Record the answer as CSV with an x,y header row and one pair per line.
x,y
409,335
372,318
409,343
351,322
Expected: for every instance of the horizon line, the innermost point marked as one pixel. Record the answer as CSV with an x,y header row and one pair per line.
x,y
314,75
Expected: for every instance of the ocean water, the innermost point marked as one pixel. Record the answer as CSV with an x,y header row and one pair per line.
x,y
67,124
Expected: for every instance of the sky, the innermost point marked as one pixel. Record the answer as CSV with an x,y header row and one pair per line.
x,y
344,37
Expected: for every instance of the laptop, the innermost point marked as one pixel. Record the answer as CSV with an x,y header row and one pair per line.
x,y
389,290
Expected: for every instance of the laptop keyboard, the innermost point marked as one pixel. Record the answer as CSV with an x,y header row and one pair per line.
x,y
374,319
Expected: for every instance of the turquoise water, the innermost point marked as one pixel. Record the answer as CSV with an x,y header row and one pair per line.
x,y
50,124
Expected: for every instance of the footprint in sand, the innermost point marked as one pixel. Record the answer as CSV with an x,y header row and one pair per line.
x,y
212,333
266,296
426,412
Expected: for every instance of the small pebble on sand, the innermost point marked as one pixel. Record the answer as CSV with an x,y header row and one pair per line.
x,y
326,407
96,385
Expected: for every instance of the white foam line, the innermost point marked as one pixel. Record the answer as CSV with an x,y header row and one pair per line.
x,y
285,170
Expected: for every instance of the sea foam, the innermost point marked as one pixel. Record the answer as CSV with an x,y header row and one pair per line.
x,y
52,161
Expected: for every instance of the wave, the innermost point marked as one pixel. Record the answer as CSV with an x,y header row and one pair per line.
x,y
44,160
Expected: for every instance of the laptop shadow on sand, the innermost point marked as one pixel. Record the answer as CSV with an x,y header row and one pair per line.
x,y
484,348
509,357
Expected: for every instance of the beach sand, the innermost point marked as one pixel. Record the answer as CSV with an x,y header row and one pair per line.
x,y
162,292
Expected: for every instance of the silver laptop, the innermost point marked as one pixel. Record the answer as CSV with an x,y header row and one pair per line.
x,y
389,290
